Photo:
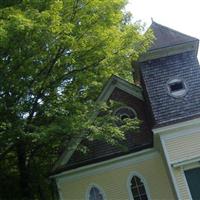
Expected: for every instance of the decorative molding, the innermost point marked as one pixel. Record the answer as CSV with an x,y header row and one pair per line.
x,y
135,173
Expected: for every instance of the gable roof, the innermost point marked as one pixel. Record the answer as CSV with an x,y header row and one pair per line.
x,y
113,82
117,82
167,37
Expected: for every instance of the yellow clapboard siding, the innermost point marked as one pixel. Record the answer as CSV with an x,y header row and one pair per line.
x,y
114,182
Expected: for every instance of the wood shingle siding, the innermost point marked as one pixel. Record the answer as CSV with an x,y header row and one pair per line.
x,y
156,73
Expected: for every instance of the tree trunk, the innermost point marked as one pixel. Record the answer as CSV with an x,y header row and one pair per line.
x,y
24,174
41,192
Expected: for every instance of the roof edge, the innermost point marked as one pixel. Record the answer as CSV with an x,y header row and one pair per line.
x,y
170,50
117,82
122,158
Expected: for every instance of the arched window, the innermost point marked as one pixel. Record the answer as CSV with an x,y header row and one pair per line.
x,y
95,194
137,188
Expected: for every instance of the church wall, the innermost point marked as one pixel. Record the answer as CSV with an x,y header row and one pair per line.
x,y
113,180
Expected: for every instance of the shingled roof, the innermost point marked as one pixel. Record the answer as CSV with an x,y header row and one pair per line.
x,y
167,37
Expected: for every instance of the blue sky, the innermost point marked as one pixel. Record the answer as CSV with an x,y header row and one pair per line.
x,y
181,15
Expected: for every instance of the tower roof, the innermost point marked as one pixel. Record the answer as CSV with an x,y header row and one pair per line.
x,y
167,37
168,42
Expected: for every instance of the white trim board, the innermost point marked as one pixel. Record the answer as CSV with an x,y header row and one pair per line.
x,y
107,165
178,127
170,50
186,183
173,179
183,162
117,82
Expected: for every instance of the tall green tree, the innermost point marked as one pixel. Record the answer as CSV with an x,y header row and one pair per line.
x,y
55,55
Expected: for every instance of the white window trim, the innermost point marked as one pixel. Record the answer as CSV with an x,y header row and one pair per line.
x,y
134,173
186,183
186,167
91,185
187,163
177,94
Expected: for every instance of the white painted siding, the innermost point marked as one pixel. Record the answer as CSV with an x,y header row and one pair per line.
x,y
183,190
183,147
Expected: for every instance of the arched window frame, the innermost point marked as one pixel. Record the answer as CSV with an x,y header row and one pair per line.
x,y
98,187
142,179
128,107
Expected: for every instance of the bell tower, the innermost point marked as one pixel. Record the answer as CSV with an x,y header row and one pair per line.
x,y
170,76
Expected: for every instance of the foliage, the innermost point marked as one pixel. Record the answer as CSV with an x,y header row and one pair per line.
x,y
55,55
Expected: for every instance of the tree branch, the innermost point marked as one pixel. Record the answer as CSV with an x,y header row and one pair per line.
x,y
42,90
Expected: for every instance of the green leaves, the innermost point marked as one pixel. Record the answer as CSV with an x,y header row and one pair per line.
x,y
55,56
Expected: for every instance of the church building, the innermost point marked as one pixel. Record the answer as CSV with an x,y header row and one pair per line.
x,y
162,160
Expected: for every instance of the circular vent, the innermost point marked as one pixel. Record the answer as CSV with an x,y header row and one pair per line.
x,y
125,112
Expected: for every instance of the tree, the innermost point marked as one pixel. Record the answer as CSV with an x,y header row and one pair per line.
x,y
55,55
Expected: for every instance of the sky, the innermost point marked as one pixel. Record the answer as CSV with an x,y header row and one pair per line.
x,y
181,15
